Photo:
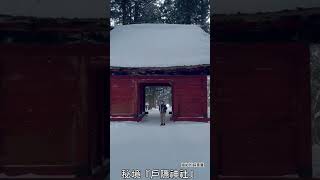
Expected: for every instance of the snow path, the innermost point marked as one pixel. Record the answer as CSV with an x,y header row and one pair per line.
x,y
147,145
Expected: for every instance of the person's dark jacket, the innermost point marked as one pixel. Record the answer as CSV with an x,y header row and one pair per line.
x,y
162,108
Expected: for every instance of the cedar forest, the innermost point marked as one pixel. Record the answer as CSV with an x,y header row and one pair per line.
x,y
161,11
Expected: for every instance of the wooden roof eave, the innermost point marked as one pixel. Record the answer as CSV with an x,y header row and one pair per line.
x,y
174,70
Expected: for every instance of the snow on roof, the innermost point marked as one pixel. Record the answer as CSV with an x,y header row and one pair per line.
x,y
159,45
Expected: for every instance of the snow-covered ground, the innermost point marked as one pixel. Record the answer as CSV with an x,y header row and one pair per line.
x,y
147,145
158,45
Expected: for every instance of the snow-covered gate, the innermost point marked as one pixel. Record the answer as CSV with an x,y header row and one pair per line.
x,y
52,109
261,109
189,96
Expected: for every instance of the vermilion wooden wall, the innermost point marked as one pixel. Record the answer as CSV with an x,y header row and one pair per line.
x,y
53,109
261,107
189,94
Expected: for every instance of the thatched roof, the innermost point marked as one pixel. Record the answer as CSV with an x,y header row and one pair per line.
x,y
159,45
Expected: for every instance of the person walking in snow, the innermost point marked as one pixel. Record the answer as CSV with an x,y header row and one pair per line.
x,y
163,110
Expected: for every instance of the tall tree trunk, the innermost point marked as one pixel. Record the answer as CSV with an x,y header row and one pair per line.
x,y
153,97
136,12
130,14
124,4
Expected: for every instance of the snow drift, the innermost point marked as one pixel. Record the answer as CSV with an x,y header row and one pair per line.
x,y
158,45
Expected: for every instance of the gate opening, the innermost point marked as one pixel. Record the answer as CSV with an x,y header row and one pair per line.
x,y
151,96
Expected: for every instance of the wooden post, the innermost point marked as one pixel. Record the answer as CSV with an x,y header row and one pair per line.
x,y
83,148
